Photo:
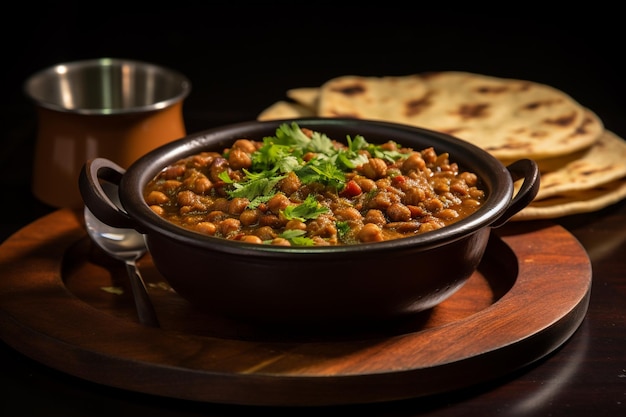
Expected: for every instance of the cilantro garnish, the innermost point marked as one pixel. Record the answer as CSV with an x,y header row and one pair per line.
x,y
284,153
308,209
343,228
296,237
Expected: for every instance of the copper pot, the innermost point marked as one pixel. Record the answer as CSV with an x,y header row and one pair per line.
x,y
111,108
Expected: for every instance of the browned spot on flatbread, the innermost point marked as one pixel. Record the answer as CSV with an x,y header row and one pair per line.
x,y
584,126
534,134
492,89
508,145
564,121
415,107
544,103
473,111
351,90
595,171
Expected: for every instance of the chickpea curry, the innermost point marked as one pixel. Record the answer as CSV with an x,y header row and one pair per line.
x,y
301,187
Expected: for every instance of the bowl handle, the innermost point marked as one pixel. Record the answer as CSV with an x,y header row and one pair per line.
x,y
94,176
529,171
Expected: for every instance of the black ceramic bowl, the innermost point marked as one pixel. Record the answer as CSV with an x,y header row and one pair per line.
x,y
363,283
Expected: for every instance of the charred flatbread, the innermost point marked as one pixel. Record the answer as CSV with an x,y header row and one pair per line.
x,y
285,110
374,98
575,202
507,117
602,162
582,165
305,96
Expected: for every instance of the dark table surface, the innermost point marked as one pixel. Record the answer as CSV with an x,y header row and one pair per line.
x,y
241,60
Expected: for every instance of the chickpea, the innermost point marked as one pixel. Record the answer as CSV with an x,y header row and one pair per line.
x,y
459,188
245,145
218,166
207,228
323,226
366,184
238,159
447,214
171,185
158,210
476,193
398,212
430,225
348,213
279,241
190,200
173,171
295,225
429,156
370,233
236,206
265,233
433,205
374,168
216,216
221,204
251,239
414,196
290,184
249,217
441,185
470,202
382,200
229,226
156,197
198,183
414,162
271,220
469,178
203,159
277,203
376,217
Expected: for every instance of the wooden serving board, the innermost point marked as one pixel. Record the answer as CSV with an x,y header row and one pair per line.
x,y
65,304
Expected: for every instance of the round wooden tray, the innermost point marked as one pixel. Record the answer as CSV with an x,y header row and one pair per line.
x,y
65,304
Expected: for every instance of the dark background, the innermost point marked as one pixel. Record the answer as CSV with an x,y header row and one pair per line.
x,y
242,58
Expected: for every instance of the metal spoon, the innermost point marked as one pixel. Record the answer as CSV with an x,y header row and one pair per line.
x,y
127,245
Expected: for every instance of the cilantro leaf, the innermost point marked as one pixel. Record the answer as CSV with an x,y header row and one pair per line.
x,y
296,237
308,209
259,185
291,135
343,228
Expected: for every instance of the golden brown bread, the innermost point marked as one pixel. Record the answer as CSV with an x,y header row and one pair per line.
x,y
583,166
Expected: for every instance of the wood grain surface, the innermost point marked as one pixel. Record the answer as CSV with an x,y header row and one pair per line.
x,y
66,305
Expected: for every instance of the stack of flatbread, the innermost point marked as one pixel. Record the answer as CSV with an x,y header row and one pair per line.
x,y
583,165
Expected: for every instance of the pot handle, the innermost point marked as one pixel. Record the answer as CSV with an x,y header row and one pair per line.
x,y
529,171
94,175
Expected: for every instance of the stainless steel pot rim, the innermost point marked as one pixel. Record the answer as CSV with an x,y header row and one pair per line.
x,y
179,82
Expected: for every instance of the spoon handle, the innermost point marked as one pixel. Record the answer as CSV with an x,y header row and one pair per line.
x,y
145,309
